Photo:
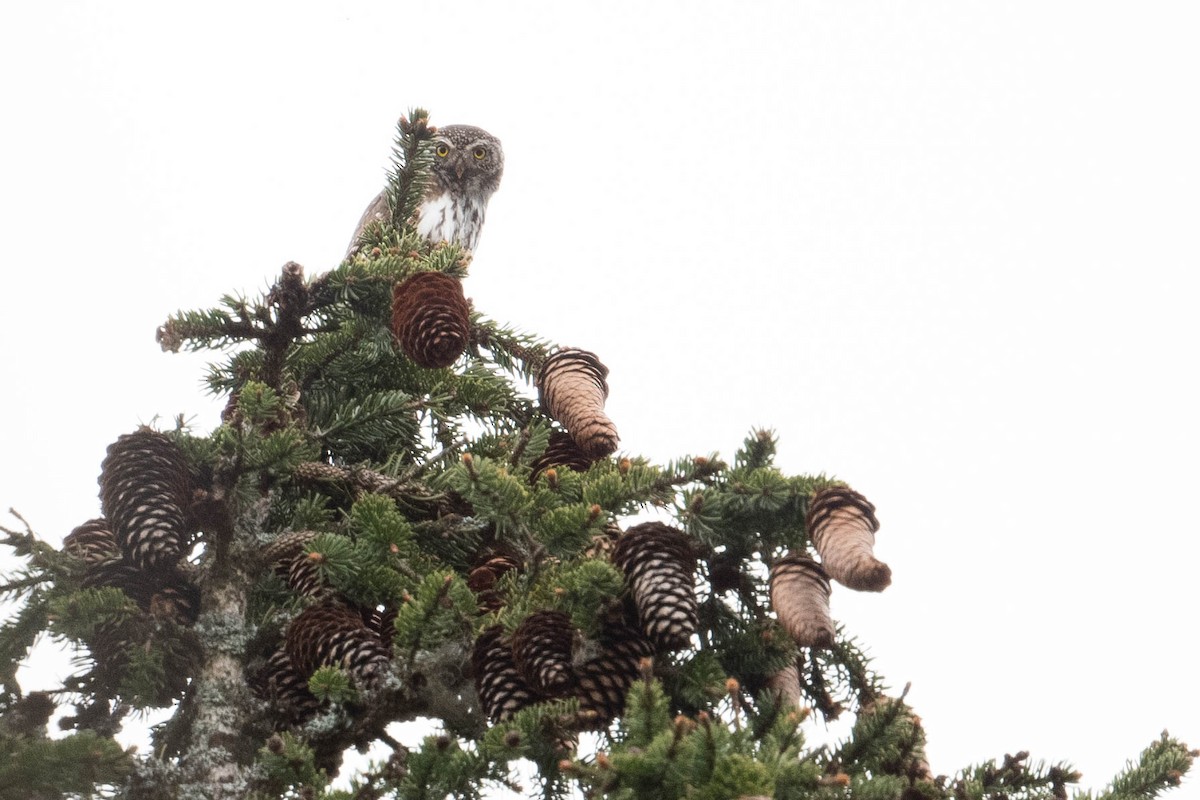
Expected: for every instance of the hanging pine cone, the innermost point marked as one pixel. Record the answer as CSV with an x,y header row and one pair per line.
x,y
430,319
603,682
800,597
572,388
542,646
841,523
483,581
332,634
144,493
659,565
91,542
786,685
501,689
560,452
279,680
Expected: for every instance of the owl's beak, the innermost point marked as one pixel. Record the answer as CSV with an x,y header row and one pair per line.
x,y
459,166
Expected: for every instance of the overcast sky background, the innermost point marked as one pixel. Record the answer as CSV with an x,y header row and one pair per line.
x,y
947,250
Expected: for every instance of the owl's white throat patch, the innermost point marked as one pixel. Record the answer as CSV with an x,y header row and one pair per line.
x,y
447,218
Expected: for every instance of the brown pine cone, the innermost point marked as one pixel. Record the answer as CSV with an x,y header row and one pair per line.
x,y
332,634
542,646
572,388
91,542
501,689
800,597
603,682
288,556
842,524
279,680
483,581
144,491
660,567
284,548
560,452
431,319
164,593
177,601
382,622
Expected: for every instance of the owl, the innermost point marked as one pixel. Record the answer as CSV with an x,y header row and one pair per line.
x,y
466,170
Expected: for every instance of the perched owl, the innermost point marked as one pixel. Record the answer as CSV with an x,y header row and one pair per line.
x,y
467,165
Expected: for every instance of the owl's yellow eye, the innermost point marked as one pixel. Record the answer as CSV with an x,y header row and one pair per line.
x,y
480,152
442,151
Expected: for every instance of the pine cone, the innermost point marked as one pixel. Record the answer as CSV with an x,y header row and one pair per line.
x,y
560,452
144,492
91,542
279,680
786,685
603,682
430,319
382,622
304,576
572,388
287,554
318,472
280,551
800,597
176,600
332,634
841,523
165,593
483,580
501,689
659,565
542,646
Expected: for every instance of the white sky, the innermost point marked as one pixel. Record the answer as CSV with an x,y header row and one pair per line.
x,y
948,250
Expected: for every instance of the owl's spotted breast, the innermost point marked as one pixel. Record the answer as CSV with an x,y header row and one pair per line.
x,y
450,217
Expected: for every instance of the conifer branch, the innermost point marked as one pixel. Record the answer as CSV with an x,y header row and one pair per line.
x,y
355,480
512,351
411,160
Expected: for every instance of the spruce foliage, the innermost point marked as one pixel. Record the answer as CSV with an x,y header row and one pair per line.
x,y
364,540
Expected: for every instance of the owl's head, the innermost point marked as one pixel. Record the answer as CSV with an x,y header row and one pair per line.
x,y
467,160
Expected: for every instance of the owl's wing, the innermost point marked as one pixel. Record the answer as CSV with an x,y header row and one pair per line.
x,y
376,210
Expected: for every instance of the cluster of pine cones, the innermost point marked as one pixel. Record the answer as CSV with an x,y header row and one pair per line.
x,y
544,656
841,524
330,632
137,546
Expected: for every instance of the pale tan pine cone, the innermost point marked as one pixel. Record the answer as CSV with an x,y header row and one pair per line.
x,y
800,597
842,524
572,388
786,685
